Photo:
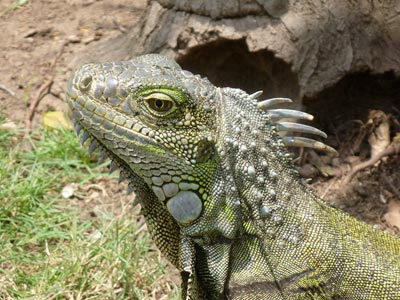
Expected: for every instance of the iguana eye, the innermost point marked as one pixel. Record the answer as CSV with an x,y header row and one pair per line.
x,y
160,103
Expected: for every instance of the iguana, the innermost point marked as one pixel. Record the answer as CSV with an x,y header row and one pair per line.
x,y
217,186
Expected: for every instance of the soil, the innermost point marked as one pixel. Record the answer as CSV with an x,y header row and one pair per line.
x,y
35,34
40,38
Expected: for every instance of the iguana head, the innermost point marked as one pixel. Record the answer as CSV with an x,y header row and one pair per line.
x,y
199,148
156,121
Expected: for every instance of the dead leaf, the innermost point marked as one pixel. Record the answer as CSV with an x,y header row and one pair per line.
x,y
392,217
68,191
56,120
379,138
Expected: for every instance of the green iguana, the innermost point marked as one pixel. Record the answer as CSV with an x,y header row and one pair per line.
x,y
221,196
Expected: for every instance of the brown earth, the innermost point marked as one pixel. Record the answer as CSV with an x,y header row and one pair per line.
x,y
35,34
40,39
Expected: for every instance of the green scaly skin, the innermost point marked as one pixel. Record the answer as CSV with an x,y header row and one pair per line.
x,y
219,192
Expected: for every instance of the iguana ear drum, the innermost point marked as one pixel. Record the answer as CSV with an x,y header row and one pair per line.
x,y
185,207
205,151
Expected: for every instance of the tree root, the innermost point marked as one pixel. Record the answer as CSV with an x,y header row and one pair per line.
x,y
394,148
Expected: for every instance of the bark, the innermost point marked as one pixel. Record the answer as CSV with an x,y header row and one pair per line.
x,y
296,47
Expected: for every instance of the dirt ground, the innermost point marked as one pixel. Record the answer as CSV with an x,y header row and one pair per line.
x,y
40,38
38,33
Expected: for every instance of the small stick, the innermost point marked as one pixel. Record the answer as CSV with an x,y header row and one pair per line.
x,y
43,90
327,190
7,90
120,27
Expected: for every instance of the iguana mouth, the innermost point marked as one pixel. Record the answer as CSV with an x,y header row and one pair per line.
x,y
87,119
104,154
92,113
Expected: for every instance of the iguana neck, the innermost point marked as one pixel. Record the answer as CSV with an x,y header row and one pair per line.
x,y
253,183
256,166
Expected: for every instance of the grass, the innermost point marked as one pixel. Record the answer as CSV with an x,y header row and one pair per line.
x,y
49,248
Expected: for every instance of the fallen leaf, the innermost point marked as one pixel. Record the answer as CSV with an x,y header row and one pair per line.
x,y
392,217
68,191
379,139
56,120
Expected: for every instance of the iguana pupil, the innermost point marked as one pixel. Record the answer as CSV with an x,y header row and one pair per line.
x,y
159,102
159,105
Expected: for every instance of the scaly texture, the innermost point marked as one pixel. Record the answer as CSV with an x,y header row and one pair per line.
x,y
220,194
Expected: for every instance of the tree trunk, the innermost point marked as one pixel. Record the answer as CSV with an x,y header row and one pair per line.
x,y
286,48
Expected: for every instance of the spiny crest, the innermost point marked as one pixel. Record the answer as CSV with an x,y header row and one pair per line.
x,y
284,127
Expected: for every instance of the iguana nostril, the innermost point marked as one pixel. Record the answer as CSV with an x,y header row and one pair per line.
x,y
85,82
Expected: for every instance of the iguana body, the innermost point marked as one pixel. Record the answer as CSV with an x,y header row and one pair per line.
x,y
219,192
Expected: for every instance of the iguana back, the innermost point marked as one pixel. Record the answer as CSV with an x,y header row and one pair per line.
x,y
220,194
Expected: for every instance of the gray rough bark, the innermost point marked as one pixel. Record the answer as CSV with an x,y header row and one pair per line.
x,y
313,43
